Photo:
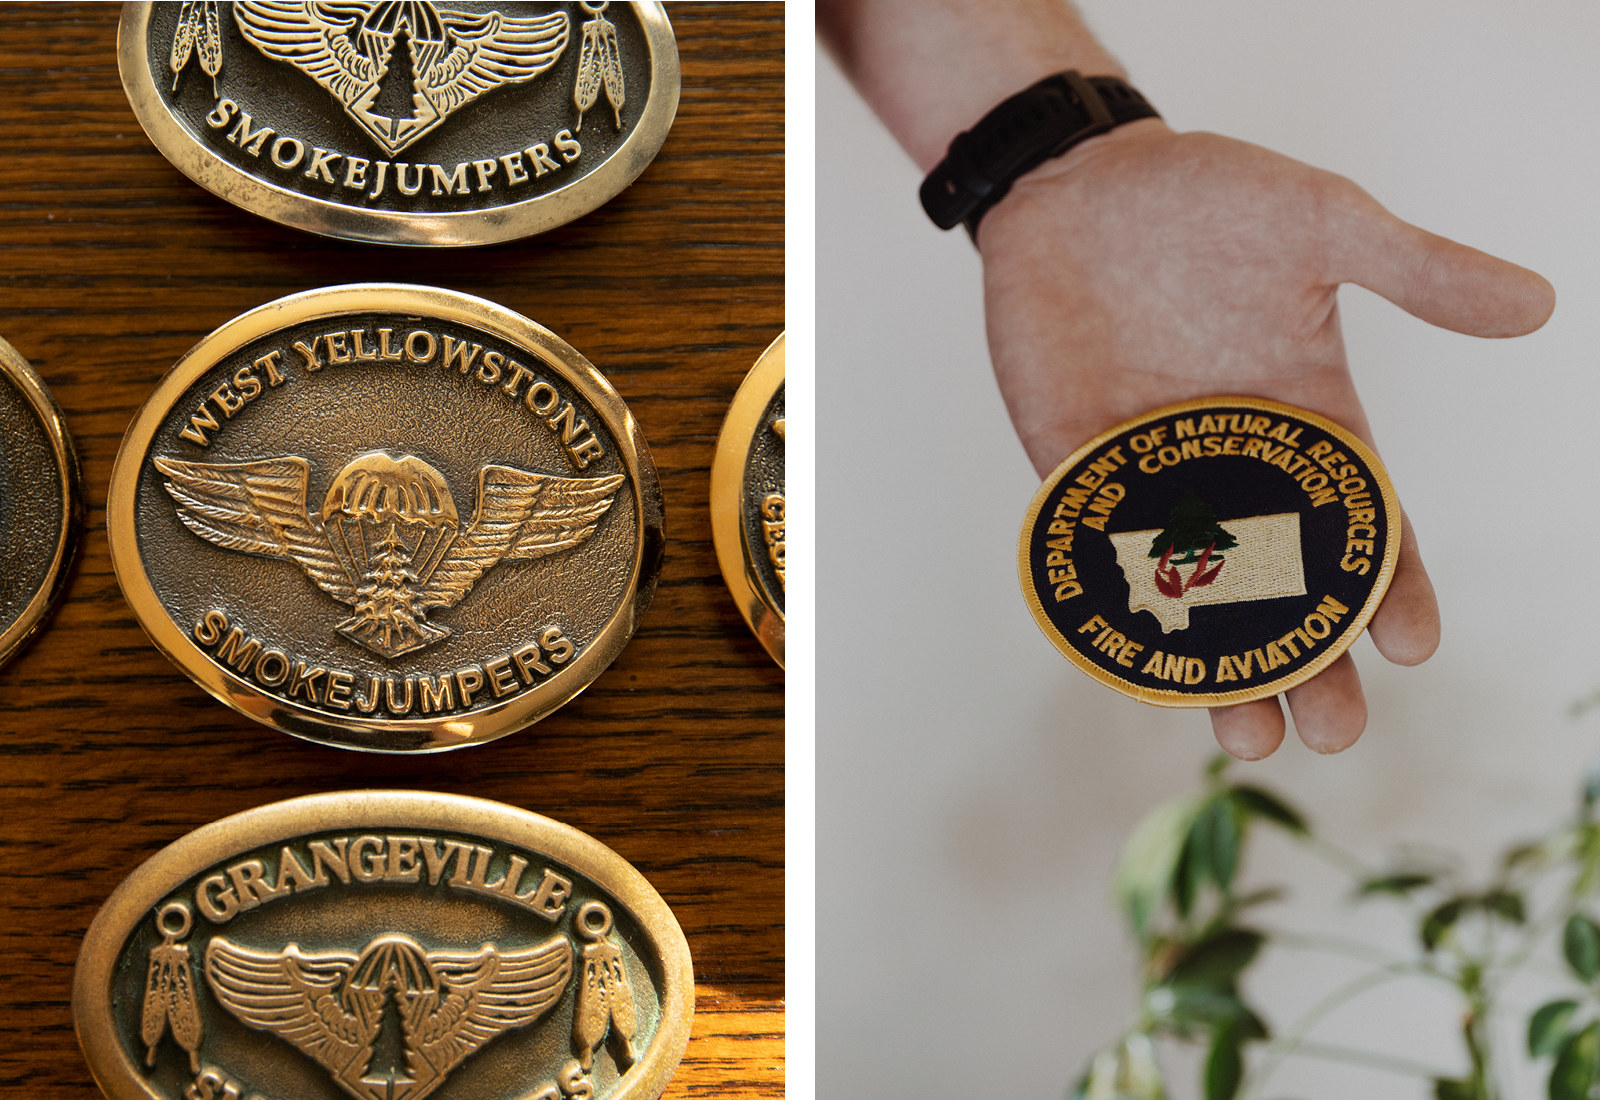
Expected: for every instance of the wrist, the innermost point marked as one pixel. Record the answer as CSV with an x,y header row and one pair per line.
x,y
1041,193
1038,124
1081,155
931,68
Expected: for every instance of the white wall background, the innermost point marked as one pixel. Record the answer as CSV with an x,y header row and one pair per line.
x,y
974,788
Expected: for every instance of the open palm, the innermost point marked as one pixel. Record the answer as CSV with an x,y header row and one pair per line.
x,y
1147,267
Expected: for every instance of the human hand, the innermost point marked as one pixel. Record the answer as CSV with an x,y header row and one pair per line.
x,y
1147,267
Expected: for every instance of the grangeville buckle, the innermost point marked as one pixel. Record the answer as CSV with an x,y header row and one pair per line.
x,y
384,945
403,122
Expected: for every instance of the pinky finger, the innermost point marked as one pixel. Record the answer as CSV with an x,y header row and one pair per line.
x,y
1249,731
1406,627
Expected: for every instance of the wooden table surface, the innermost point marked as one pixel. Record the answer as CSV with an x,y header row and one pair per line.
x,y
112,264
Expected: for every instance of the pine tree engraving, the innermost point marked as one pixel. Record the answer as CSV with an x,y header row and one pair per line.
x,y
397,86
390,599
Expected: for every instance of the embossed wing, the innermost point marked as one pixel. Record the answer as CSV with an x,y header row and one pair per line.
x,y
520,516
490,50
401,67
483,993
296,996
319,39
257,508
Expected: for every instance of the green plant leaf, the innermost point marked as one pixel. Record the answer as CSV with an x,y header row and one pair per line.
x,y
1400,883
1257,897
1099,1081
1251,1026
1547,1028
1187,1008
1224,1066
1521,855
1216,960
1580,943
1446,1088
1586,849
1591,788
1506,905
1441,920
1219,823
1185,882
1573,1075
1139,1075
1150,859
1254,801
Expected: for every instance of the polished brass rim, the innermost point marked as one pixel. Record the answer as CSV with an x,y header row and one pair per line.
x,y
17,370
122,1079
442,734
727,498
1161,697
450,229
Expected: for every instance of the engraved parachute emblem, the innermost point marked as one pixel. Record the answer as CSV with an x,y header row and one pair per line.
x,y
388,540
169,990
396,1019
605,996
199,31
599,64
390,521
399,68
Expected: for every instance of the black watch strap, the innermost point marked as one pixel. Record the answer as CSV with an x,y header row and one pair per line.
x,y
1023,132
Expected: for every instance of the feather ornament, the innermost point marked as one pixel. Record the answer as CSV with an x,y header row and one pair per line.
x,y
605,996
154,1022
592,1019
169,1001
199,31
623,1019
599,65
611,67
183,1013
183,38
209,43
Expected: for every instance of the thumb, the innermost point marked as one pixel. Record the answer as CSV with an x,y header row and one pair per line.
x,y
1434,278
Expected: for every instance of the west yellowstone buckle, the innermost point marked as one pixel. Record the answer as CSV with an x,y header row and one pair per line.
x,y
386,517
41,509
1211,552
384,945
403,122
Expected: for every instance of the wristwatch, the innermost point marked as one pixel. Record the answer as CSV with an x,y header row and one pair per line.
x,y
1038,123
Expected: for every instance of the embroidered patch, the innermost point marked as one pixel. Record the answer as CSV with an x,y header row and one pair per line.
x,y
1211,552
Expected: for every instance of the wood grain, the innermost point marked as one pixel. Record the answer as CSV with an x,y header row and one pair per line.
x,y
112,264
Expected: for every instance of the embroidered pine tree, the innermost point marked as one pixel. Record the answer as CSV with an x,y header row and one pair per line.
x,y
388,601
1193,531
